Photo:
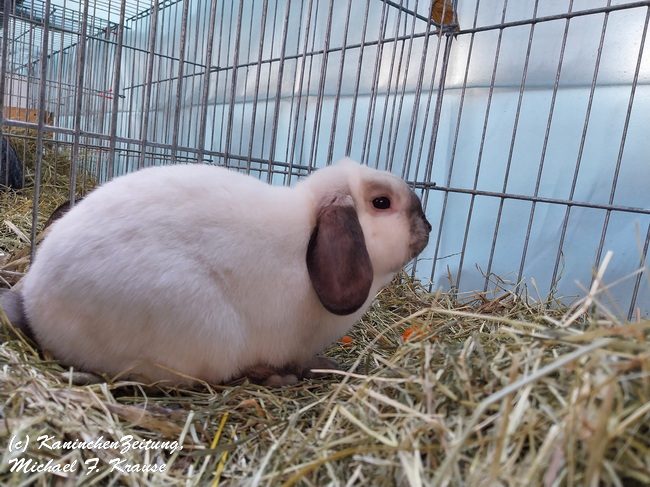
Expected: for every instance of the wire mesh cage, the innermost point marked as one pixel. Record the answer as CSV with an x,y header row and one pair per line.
x,y
522,124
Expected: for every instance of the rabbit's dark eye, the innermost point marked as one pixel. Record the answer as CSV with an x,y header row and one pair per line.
x,y
381,203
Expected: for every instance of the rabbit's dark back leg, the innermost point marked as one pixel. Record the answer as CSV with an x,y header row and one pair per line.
x,y
12,303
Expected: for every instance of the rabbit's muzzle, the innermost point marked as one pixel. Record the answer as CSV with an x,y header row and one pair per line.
x,y
420,227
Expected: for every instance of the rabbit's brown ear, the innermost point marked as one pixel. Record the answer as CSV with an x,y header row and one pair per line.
x,y
337,259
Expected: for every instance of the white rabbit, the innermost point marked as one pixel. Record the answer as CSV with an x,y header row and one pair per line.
x,y
189,272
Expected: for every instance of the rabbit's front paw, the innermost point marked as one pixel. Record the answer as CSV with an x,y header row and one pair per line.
x,y
318,362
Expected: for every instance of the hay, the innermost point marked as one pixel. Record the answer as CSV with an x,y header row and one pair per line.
x,y
490,392
436,391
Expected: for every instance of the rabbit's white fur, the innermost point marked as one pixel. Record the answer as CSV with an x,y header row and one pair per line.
x,y
194,271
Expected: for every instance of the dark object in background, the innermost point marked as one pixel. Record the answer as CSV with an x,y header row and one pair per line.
x,y
15,5
11,168
59,212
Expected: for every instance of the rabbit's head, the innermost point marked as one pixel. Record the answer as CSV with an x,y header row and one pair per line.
x,y
368,224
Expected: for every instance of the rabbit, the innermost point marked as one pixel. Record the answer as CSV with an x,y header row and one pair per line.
x,y
194,272
11,167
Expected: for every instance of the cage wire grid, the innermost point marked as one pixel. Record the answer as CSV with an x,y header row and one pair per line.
x,y
520,124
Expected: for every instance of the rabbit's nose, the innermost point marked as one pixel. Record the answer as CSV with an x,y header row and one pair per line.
x,y
428,225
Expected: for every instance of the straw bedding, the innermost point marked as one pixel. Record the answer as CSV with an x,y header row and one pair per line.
x,y
437,390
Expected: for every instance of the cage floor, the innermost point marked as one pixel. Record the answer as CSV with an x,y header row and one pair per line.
x,y
433,391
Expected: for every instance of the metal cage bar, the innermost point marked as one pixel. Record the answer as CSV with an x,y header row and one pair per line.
x,y
279,88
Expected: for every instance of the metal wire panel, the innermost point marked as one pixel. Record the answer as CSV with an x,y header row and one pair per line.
x,y
523,127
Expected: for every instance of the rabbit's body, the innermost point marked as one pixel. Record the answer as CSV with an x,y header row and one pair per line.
x,y
178,278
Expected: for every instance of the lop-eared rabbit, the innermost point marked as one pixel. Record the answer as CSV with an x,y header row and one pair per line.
x,y
194,272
